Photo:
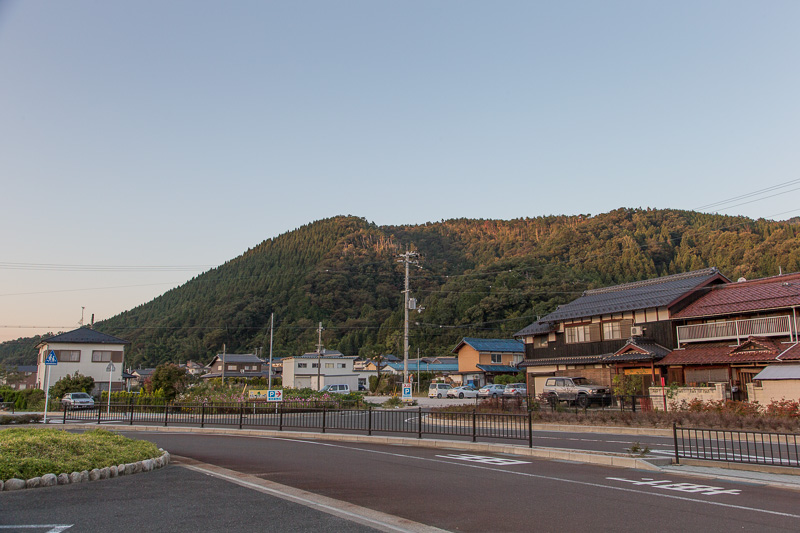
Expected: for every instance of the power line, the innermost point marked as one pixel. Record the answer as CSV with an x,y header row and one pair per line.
x,y
4,265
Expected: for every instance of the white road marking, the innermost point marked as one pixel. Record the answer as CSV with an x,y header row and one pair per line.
x,y
499,461
706,490
549,478
51,528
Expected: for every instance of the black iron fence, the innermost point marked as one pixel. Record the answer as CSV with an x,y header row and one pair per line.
x,y
308,416
754,447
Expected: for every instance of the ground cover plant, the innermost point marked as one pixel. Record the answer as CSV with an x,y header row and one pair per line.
x,y
31,452
778,416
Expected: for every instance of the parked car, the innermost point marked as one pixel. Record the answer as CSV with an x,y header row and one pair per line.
x,y
438,390
575,390
467,391
336,389
77,400
513,390
492,390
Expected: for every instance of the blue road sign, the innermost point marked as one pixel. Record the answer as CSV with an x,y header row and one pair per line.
x,y
275,395
51,358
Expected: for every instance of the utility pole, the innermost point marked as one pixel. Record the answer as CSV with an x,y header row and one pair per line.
x,y
223,364
319,356
271,327
407,258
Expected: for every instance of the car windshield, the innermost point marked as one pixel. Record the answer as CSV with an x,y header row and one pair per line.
x,y
80,395
580,381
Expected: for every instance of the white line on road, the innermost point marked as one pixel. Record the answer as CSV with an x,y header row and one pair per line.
x,y
499,461
51,528
549,478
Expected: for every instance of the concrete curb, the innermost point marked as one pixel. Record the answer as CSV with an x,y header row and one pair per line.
x,y
597,458
51,480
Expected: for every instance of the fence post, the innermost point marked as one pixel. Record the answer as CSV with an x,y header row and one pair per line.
x,y
369,420
241,414
166,413
419,422
324,411
633,404
530,429
675,443
203,415
130,406
474,427
99,413
65,414
280,418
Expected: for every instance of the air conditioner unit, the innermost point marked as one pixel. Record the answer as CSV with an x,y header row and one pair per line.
x,y
636,331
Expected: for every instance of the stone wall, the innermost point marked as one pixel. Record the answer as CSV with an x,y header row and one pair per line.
x,y
718,392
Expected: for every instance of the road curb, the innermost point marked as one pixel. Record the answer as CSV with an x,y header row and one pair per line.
x,y
538,452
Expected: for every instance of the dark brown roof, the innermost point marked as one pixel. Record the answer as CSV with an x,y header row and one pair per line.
x,y
754,350
777,292
84,335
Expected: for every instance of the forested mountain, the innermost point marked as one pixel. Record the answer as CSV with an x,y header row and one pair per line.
x,y
481,278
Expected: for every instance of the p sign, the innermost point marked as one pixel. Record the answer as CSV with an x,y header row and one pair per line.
x,y
407,392
275,396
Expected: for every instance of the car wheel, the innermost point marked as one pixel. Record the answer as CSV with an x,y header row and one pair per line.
x,y
494,395
460,394
582,401
439,395
553,399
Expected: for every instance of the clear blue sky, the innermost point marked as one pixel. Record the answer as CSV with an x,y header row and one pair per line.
x,y
184,132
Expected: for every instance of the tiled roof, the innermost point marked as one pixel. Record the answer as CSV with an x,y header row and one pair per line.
x,y
746,296
84,336
431,367
492,345
644,346
537,328
233,374
583,360
27,368
658,292
236,358
754,350
497,368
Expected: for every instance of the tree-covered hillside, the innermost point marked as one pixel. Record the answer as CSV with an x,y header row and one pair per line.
x,y
486,278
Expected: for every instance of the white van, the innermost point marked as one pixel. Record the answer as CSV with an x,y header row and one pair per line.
x,y
338,389
438,390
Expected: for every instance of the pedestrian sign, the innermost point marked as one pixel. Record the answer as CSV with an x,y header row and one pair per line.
x,y
407,392
110,367
275,395
51,358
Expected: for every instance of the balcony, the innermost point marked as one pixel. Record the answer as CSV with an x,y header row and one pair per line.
x,y
772,326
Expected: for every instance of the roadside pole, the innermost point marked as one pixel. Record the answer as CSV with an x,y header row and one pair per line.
x,y
50,360
110,368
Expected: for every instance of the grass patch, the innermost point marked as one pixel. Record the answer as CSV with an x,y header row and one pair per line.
x,y
31,452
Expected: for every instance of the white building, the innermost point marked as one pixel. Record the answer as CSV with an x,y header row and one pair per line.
x,y
84,351
314,370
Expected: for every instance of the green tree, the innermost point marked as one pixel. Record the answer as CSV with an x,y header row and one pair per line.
x,y
75,383
169,378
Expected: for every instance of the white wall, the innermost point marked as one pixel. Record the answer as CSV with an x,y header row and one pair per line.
x,y
85,366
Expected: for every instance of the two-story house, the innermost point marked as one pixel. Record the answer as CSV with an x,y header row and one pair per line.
x,y
315,370
245,365
620,329
733,331
85,351
480,360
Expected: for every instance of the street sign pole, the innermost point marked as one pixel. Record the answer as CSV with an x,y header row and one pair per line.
x,y
110,368
50,360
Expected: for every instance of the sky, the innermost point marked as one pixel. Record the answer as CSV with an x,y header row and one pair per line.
x,y
142,143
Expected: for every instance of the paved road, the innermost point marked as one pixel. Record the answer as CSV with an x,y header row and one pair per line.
x,y
456,491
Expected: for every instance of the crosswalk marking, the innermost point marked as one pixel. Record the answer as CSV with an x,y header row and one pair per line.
x,y
706,490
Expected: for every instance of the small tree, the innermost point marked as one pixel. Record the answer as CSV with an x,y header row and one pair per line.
x,y
170,378
76,383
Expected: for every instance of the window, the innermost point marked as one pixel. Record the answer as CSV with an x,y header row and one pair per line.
x,y
68,356
101,356
342,365
497,358
540,342
586,333
617,330
302,365
230,367
329,365
314,365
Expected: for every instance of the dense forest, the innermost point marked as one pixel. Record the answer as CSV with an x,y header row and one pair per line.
x,y
480,278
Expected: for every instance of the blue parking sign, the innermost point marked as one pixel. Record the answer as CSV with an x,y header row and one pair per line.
x,y
275,395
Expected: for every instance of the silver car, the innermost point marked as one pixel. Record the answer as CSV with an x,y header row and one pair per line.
x,y
466,391
514,390
492,390
77,400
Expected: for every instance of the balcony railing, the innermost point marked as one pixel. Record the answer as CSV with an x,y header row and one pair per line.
x,y
735,329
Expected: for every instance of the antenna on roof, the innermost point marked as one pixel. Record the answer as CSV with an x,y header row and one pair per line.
x,y
81,322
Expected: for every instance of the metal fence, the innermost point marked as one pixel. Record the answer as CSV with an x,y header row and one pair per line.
x,y
309,416
754,447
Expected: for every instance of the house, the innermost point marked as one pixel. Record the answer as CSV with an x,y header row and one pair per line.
x,y
315,370
775,383
246,365
140,375
621,329
480,360
20,377
85,351
732,332
193,368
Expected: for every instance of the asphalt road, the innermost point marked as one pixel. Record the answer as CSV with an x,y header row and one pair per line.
x,y
462,492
